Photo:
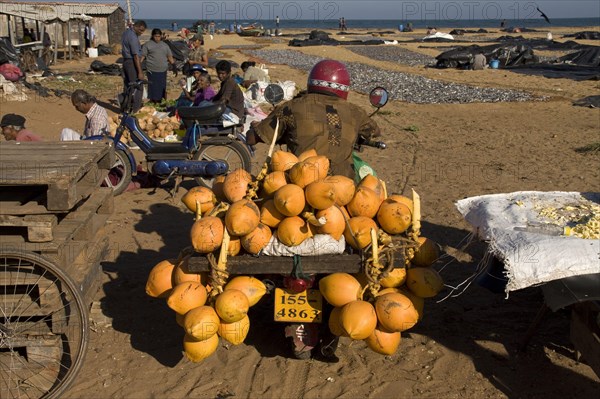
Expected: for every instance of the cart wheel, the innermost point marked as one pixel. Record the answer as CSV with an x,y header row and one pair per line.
x,y
43,327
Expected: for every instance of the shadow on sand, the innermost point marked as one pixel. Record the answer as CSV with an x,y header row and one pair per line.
x,y
484,326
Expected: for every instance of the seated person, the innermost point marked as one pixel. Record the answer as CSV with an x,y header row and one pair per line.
x,y
96,118
252,74
190,86
200,91
13,128
205,93
230,93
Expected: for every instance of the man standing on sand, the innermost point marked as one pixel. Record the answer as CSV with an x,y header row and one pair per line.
x,y
479,62
89,35
132,65
277,22
158,57
198,55
211,29
13,128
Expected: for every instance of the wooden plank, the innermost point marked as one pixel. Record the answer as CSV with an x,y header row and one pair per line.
x,y
65,194
15,200
39,227
26,294
86,214
30,208
38,367
13,148
80,224
107,161
51,162
250,265
85,270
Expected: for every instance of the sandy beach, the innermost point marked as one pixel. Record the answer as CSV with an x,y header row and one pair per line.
x,y
465,347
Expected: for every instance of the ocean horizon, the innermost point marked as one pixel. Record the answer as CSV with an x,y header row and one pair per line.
x,y
389,24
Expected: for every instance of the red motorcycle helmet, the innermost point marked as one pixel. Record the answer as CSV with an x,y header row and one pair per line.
x,y
329,77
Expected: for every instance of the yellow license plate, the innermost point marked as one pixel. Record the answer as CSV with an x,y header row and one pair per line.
x,y
304,307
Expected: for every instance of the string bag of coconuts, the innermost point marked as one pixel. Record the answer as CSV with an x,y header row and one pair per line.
x,y
292,200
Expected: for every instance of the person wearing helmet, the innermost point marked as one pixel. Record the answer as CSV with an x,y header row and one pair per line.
x,y
321,119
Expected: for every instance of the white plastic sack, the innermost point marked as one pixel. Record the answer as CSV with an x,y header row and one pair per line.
x,y
319,244
230,119
289,89
69,135
530,257
264,69
257,91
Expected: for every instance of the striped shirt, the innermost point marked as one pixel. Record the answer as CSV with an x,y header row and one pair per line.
x,y
96,121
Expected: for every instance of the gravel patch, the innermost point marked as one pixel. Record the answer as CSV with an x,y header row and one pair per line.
x,y
401,86
393,54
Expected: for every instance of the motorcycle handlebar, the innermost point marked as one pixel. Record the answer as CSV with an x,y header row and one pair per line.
x,y
138,83
376,144
371,143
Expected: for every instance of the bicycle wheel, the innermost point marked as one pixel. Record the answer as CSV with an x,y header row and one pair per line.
x,y
119,175
233,152
43,327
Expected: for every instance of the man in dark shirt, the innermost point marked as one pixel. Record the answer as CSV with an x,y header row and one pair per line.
x,y
132,65
322,119
230,93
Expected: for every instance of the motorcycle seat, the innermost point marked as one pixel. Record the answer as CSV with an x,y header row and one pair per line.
x,y
201,115
167,148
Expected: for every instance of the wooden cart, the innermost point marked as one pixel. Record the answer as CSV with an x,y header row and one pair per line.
x,y
52,213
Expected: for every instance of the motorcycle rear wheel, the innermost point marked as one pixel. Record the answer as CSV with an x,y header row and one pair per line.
x,y
233,152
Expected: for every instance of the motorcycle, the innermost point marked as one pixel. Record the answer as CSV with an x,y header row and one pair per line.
x,y
208,149
299,302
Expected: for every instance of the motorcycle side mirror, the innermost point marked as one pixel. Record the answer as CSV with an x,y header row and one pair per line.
x,y
378,97
273,94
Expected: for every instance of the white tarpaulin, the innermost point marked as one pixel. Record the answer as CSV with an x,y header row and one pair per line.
x,y
529,243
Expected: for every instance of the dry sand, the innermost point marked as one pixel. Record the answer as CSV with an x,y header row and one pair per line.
x,y
464,347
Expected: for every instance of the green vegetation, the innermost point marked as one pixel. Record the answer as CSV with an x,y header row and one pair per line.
x,y
101,86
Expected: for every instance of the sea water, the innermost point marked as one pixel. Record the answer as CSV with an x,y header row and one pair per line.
x,y
386,24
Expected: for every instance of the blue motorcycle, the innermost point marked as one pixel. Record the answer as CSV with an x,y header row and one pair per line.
x,y
207,150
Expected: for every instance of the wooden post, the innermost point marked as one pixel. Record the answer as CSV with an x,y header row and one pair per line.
x,y
129,12
69,39
79,36
40,36
11,35
55,42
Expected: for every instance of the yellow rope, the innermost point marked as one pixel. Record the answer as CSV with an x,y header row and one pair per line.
x,y
218,270
253,187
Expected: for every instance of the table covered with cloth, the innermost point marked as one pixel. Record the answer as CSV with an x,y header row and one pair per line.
x,y
539,236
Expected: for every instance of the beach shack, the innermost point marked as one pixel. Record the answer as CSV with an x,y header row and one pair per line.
x,y
64,22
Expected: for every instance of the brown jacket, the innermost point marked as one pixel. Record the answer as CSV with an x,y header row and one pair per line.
x,y
328,124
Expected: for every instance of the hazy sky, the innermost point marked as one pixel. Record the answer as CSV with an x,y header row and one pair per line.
x,y
360,9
